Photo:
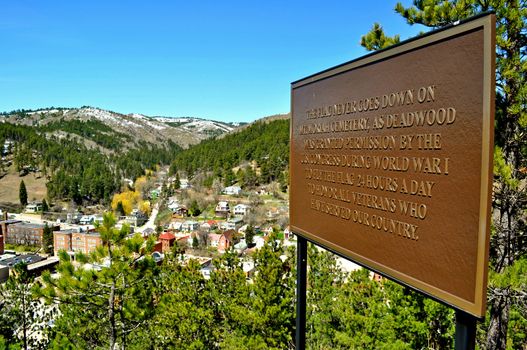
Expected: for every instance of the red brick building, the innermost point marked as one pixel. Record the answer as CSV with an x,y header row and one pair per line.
x,y
226,240
73,241
23,232
167,240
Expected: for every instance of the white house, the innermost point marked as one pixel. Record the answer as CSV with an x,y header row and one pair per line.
x,y
73,218
175,225
173,205
268,230
86,220
189,225
241,209
232,190
259,241
34,207
232,224
222,209
177,209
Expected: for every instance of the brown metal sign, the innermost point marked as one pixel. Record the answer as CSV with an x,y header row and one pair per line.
x,y
391,161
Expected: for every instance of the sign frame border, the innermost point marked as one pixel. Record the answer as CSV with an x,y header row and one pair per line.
x,y
487,22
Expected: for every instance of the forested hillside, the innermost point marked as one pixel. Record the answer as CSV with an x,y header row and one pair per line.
x,y
93,130
73,170
264,142
85,159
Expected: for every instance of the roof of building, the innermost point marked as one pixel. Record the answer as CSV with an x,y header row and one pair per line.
x,y
235,220
44,263
27,258
229,234
167,236
214,237
29,225
68,230
10,221
89,233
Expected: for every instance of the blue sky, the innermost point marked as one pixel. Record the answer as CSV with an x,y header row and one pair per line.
x,y
223,60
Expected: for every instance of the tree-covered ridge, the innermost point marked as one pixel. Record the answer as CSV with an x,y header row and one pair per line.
x,y
91,129
267,143
24,112
135,161
74,171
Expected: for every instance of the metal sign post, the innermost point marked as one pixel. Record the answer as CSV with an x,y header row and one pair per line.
x,y
465,331
301,281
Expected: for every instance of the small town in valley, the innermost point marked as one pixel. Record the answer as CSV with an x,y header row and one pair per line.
x,y
230,219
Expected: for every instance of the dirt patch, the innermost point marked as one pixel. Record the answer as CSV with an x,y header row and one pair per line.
x,y
10,184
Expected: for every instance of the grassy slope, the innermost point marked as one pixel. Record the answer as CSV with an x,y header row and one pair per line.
x,y
10,183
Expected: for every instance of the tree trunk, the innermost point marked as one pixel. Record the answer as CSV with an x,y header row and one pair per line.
x,y
499,320
111,316
121,315
24,316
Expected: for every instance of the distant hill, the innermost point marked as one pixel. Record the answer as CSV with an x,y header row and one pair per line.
x,y
263,143
110,131
83,154
270,118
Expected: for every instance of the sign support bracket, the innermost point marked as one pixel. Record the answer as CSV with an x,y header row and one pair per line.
x,y
301,282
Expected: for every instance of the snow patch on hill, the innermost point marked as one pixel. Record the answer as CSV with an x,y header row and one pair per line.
x,y
149,121
157,130
196,124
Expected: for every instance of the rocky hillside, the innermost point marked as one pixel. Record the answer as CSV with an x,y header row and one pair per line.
x,y
106,129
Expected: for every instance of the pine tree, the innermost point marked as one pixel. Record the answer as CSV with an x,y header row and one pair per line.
x,y
120,209
194,209
184,317
22,193
177,182
23,315
103,308
45,206
508,242
47,239
228,177
249,235
324,283
272,294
